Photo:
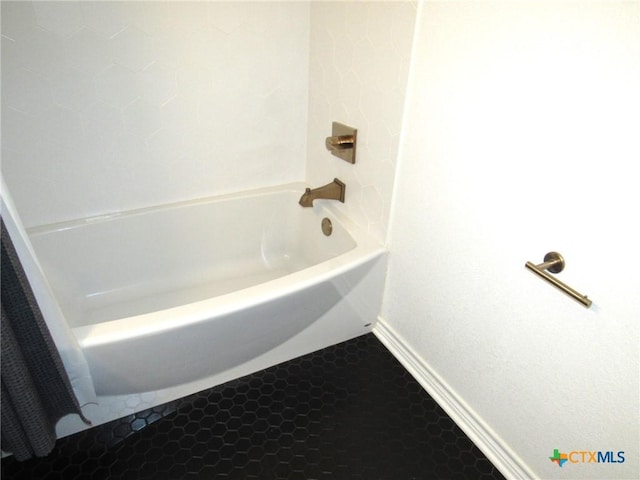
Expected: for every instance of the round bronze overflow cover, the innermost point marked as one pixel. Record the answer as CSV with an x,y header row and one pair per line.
x,y
327,228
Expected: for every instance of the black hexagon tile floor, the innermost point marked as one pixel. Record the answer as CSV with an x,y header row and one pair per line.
x,y
349,411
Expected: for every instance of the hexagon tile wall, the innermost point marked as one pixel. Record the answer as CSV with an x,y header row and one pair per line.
x,y
108,106
358,70
347,412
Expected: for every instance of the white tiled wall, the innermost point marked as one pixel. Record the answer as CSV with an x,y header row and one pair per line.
x,y
108,106
359,62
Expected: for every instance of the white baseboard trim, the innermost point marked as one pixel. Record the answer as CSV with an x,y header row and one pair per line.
x,y
509,464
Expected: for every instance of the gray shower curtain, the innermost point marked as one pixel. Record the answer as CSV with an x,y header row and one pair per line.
x,y
36,391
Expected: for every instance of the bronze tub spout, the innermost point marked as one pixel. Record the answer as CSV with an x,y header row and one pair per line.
x,y
332,191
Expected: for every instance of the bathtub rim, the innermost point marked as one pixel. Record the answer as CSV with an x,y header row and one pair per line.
x,y
293,187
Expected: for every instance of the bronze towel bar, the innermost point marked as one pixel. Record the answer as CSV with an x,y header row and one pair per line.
x,y
554,262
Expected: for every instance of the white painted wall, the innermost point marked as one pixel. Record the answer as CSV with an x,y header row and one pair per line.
x,y
521,137
359,61
108,106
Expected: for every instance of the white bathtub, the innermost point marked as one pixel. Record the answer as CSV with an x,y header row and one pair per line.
x,y
168,295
